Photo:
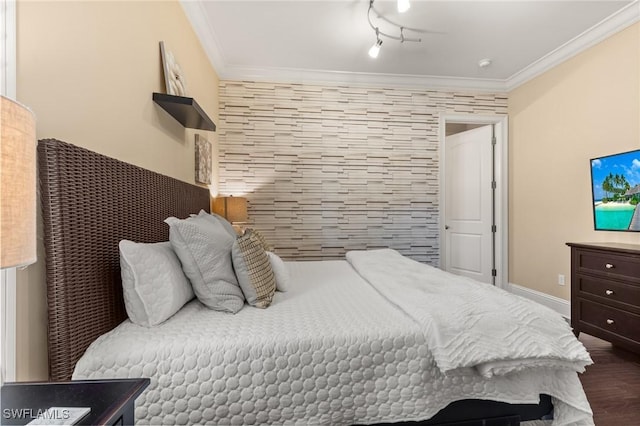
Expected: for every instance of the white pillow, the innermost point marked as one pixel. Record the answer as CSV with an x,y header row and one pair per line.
x,y
153,284
203,246
281,272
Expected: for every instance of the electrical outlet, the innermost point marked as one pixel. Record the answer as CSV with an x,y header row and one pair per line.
x,y
560,279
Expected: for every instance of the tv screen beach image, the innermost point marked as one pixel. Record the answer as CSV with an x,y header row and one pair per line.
x,y
615,183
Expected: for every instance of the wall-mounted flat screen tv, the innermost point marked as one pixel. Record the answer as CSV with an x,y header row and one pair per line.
x,y
615,187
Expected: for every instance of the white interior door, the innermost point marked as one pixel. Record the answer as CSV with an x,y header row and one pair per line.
x,y
469,204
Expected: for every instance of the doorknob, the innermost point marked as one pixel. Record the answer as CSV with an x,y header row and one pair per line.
x,y
446,227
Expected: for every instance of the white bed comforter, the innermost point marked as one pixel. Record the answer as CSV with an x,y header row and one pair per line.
x,y
332,350
471,324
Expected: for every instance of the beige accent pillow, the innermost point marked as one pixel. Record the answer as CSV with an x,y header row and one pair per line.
x,y
253,270
261,239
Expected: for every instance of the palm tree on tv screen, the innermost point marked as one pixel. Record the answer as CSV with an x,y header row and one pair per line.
x,y
617,185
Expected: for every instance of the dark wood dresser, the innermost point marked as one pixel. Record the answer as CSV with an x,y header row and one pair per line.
x,y
605,292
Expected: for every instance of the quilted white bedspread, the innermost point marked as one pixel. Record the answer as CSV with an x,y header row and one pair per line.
x,y
471,324
332,350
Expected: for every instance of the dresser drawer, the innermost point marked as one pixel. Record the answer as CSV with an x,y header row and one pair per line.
x,y
602,262
617,292
611,320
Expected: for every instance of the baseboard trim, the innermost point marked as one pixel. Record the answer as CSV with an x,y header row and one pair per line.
x,y
561,306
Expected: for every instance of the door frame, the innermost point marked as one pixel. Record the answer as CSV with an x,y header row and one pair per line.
x,y
501,171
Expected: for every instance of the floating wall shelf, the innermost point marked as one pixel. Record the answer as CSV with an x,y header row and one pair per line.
x,y
185,110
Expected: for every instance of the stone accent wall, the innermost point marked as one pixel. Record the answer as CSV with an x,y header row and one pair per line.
x,y
327,169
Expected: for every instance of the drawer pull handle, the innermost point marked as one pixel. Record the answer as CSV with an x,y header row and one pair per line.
x,y
609,292
609,266
610,321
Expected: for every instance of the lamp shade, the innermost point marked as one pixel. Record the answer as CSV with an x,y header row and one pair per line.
x,y
234,209
17,185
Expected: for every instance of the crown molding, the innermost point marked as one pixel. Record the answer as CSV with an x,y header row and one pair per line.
x,y
196,14
195,11
360,79
615,23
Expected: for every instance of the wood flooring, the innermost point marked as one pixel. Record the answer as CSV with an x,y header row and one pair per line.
x,y
612,384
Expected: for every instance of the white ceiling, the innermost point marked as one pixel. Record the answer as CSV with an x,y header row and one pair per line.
x,y
312,41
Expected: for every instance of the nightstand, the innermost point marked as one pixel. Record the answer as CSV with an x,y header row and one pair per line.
x,y
111,401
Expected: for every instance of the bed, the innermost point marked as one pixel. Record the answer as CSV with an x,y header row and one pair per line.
x,y
345,345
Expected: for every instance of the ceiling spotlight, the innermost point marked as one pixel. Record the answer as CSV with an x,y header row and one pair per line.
x,y
375,49
483,63
403,5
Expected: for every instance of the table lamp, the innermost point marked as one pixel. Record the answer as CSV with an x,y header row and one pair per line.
x,y
234,209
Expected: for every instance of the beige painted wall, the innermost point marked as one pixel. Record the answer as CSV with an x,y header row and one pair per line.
x,y
88,69
587,107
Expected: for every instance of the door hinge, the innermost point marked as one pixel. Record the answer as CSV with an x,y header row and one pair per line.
x,y
494,228
494,185
493,140
494,273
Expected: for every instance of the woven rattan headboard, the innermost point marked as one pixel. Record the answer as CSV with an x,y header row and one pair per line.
x,y
89,203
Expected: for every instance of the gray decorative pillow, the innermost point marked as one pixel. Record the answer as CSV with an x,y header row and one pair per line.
x,y
154,286
204,249
253,270
219,219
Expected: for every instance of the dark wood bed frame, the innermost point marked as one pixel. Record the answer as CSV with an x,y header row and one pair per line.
x,y
89,203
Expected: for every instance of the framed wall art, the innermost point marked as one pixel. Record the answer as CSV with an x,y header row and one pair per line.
x,y
174,79
203,160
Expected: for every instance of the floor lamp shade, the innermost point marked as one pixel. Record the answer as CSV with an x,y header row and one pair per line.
x,y
17,185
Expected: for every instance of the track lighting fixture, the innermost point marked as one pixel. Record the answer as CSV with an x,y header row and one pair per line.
x,y
375,49
403,6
